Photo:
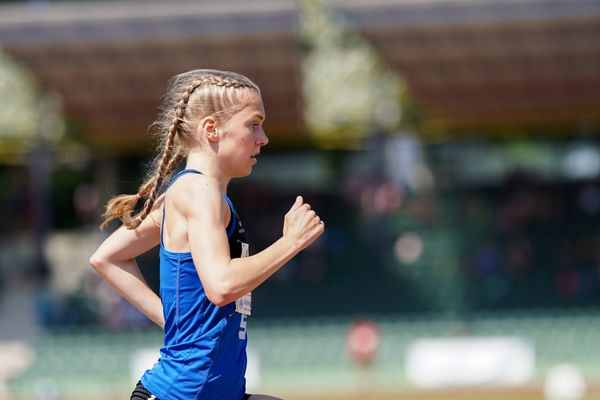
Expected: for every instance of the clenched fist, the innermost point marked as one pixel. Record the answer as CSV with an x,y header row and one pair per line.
x,y
302,225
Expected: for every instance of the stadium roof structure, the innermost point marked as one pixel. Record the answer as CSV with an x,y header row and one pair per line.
x,y
467,63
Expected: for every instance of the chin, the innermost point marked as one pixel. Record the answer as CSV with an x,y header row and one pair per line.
x,y
242,174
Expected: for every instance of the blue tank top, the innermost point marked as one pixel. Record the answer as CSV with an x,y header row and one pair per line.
x,y
204,352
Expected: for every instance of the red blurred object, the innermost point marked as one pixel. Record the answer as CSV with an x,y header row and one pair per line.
x,y
363,342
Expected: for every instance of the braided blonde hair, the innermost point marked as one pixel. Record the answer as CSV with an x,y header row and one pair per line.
x,y
190,97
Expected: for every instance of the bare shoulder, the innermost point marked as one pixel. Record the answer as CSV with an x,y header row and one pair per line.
x,y
194,190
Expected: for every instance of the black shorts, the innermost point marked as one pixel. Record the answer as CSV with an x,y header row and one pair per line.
x,y
141,393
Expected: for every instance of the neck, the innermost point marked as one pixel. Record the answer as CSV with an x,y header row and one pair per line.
x,y
199,160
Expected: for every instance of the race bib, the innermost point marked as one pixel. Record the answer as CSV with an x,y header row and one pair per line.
x,y
245,249
243,305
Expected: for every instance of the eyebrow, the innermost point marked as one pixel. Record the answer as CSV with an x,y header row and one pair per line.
x,y
259,115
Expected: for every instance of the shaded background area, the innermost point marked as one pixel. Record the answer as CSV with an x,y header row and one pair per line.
x,y
450,146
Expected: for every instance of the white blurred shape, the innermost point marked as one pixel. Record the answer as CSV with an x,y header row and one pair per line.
x,y
404,160
16,356
582,162
252,370
408,248
142,360
464,362
564,382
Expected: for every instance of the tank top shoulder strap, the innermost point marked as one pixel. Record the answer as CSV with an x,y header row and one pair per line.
x,y
233,220
181,173
175,177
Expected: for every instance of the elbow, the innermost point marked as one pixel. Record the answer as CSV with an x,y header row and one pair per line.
x,y
98,262
218,301
220,294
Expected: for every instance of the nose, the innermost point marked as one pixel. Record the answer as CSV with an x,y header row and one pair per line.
x,y
262,139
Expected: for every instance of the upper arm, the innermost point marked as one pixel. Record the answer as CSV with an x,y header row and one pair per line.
x,y
205,210
126,244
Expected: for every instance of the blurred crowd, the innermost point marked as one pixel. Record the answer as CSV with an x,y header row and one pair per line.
x,y
536,243
523,243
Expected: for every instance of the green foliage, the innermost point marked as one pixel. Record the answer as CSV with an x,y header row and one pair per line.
x,y
28,117
348,92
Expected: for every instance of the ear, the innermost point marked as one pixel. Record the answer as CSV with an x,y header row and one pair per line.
x,y
208,127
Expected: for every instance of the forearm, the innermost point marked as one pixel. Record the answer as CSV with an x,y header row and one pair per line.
x,y
243,275
128,281
225,279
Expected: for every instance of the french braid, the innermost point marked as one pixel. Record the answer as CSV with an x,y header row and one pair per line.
x,y
123,206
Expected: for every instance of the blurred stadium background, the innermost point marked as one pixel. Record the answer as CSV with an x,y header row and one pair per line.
x,y
451,146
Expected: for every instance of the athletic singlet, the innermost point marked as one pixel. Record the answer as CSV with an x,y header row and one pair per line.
x,y
204,352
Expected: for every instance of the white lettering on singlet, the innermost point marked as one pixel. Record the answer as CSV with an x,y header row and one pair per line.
x,y
243,324
243,305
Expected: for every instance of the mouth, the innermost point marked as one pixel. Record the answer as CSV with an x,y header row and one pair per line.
x,y
253,157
